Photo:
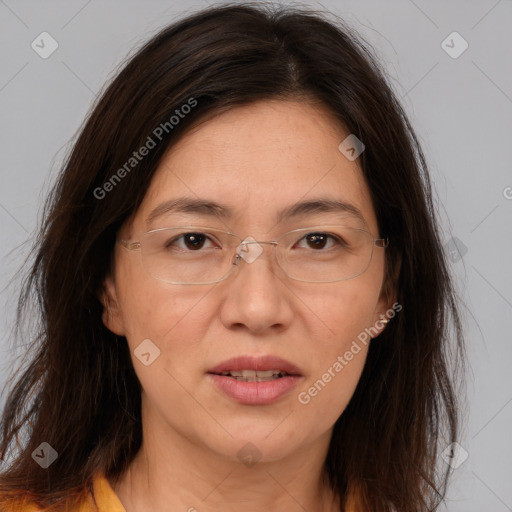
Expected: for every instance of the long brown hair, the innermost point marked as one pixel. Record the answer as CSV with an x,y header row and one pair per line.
x,y
80,393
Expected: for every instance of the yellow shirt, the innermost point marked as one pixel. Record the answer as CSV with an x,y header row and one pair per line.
x,y
106,500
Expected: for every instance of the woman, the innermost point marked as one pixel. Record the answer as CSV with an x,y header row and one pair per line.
x,y
243,295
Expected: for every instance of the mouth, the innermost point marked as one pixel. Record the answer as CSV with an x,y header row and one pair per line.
x,y
254,376
256,368
254,380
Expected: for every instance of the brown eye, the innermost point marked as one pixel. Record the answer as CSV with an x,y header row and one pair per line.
x,y
194,240
187,241
317,240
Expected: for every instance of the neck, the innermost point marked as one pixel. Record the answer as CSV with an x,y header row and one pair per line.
x,y
170,472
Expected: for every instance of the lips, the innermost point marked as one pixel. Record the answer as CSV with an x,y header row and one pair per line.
x,y
253,380
251,366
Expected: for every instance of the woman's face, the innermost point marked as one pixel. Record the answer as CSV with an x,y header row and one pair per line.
x,y
255,162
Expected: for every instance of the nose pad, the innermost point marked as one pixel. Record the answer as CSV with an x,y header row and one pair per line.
x,y
249,249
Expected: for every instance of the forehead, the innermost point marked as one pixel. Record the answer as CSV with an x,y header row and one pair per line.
x,y
258,159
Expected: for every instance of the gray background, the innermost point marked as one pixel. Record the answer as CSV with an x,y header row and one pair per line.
x,y
460,107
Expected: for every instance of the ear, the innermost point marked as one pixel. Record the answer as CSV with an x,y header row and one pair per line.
x,y
112,316
387,305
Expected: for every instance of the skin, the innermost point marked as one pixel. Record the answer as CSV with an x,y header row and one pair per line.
x,y
255,159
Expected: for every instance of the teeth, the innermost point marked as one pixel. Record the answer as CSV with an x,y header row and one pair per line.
x,y
254,376
256,379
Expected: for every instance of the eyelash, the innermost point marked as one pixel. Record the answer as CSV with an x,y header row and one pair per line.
x,y
335,238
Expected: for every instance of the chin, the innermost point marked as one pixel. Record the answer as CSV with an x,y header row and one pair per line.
x,y
255,443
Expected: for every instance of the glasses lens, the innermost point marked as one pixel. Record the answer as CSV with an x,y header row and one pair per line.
x,y
196,255
188,255
325,254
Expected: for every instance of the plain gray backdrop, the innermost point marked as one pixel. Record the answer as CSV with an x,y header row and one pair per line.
x,y
460,105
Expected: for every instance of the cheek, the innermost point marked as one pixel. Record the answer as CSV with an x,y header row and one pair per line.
x,y
159,311
175,322
326,398
348,307
346,310
339,361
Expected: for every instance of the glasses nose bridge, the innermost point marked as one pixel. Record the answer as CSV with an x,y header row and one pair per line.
x,y
271,242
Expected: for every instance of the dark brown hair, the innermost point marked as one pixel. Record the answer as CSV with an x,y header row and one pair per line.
x,y
80,393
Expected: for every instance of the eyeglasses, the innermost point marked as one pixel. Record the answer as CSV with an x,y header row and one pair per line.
x,y
201,255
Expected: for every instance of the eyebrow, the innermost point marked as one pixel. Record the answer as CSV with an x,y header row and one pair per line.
x,y
213,209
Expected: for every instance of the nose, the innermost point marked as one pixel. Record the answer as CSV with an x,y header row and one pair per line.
x,y
257,297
